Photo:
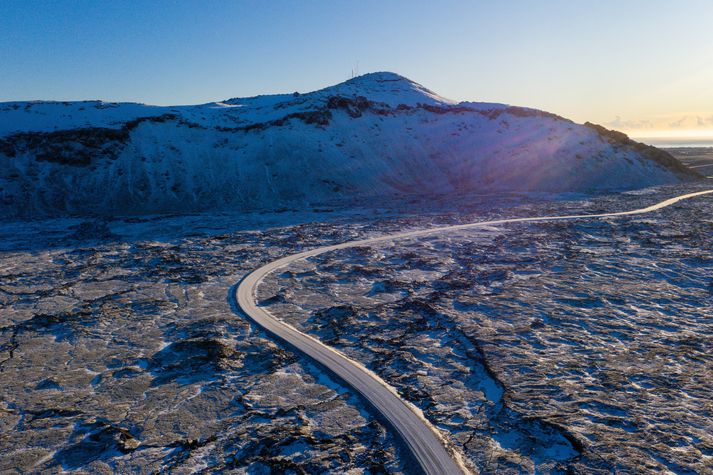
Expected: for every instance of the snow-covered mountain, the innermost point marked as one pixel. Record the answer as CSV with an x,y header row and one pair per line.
x,y
377,136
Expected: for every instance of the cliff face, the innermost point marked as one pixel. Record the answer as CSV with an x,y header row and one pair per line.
x,y
378,136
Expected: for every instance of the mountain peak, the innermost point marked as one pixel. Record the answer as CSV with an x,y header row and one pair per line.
x,y
380,76
387,87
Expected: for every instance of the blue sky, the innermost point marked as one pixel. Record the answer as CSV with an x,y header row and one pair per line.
x,y
643,66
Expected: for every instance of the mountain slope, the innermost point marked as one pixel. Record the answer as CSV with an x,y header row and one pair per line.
x,y
376,136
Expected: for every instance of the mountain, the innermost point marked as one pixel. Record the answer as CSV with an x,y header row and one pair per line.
x,y
379,137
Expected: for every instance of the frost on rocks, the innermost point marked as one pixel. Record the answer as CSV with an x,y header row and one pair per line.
x,y
556,347
122,355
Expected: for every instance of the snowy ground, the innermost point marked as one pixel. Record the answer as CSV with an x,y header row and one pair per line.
x,y
125,356
579,346
549,346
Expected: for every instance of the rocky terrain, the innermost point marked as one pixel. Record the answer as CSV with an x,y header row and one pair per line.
x,y
569,347
699,159
378,137
124,356
572,347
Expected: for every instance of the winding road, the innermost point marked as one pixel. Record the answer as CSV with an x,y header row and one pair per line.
x,y
426,444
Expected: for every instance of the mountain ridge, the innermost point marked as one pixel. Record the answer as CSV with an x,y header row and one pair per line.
x,y
376,136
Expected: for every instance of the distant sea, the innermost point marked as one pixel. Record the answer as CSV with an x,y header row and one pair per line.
x,y
665,142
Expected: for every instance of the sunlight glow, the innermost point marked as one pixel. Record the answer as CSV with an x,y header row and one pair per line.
x,y
671,133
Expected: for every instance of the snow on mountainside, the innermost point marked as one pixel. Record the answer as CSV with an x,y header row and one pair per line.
x,y
376,136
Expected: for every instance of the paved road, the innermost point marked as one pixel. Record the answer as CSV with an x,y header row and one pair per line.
x,y
424,441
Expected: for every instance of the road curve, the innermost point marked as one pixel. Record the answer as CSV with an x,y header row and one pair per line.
x,y
427,445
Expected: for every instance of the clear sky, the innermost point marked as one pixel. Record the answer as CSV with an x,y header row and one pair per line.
x,y
645,67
